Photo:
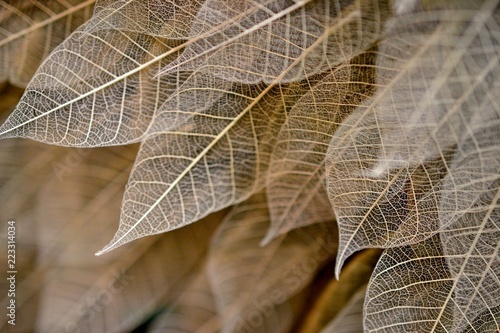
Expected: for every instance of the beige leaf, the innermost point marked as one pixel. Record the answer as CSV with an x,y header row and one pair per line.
x,y
409,290
263,39
208,161
387,161
296,184
30,30
98,87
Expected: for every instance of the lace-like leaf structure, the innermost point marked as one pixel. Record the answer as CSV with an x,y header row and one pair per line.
x,y
387,163
210,87
416,169
30,30
210,143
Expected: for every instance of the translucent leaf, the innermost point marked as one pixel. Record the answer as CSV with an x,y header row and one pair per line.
x,y
382,195
205,149
296,178
96,88
208,161
229,98
99,87
30,30
427,288
441,71
396,209
470,217
410,290
167,19
251,284
262,40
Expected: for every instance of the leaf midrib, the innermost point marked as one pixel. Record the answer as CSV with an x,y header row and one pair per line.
x,y
354,14
160,57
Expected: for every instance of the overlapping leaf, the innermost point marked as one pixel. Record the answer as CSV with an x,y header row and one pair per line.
x,y
209,144
434,73
213,160
30,30
166,19
410,290
470,216
263,39
99,87
230,97
296,179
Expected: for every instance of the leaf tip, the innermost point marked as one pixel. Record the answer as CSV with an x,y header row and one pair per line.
x,y
104,250
266,240
337,272
271,234
108,248
339,262
5,132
